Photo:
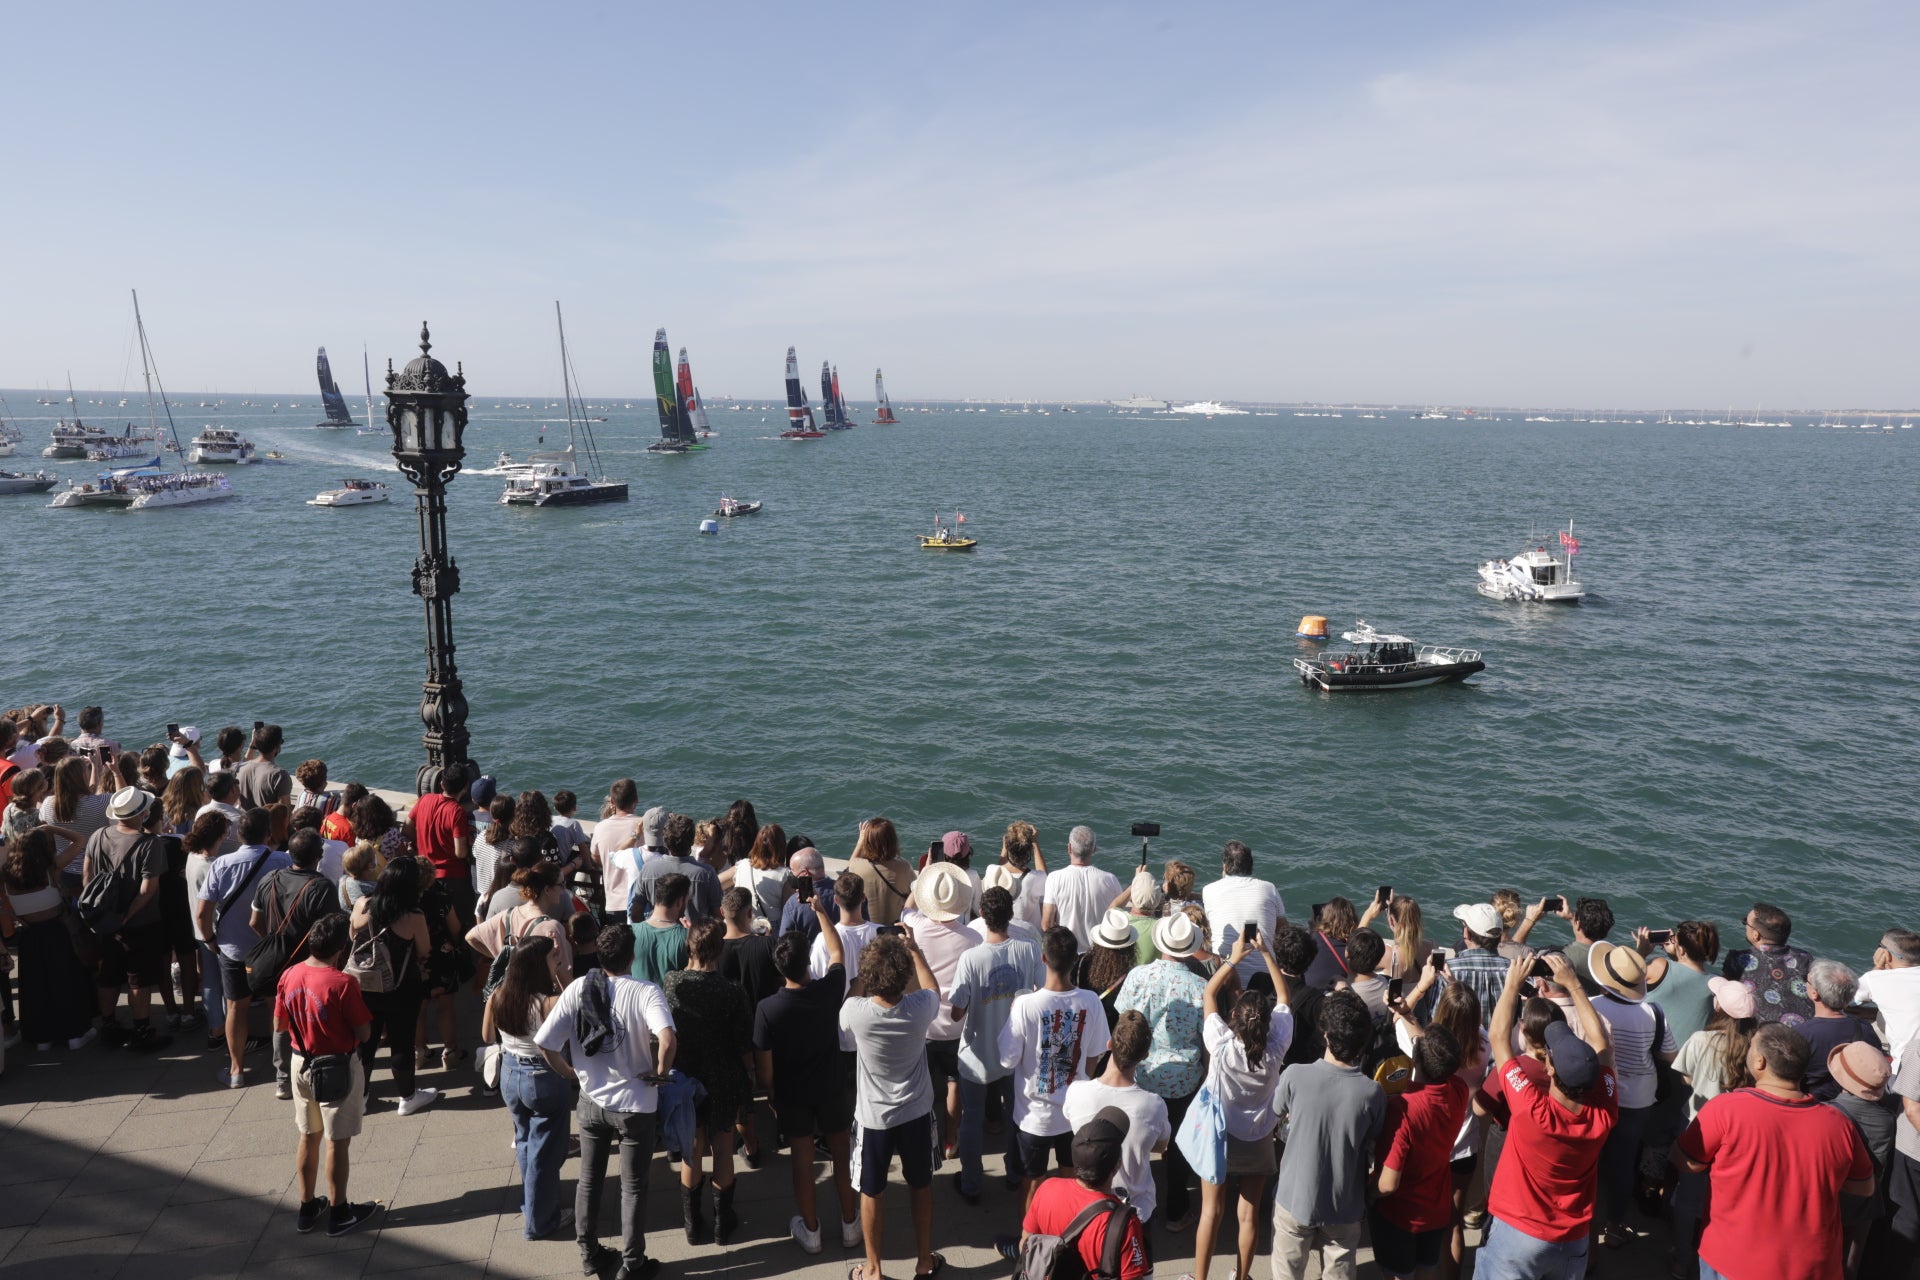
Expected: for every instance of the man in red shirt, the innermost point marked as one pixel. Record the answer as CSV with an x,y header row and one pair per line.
x,y
322,1011
1544,1187
1414,1215
1778,1162
1057,1201
443,833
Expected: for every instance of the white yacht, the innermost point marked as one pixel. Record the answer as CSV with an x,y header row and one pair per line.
x,y
1211,408
354,491
1535,574
219,444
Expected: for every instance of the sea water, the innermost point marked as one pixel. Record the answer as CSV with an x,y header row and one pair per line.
x,y
1730,716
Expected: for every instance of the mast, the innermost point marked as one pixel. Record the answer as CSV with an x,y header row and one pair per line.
x,y
827,408
74,400
152,375
569,384
663,392
566,383
840,401
367,373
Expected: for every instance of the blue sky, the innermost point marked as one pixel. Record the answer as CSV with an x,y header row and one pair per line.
x,y
1473,204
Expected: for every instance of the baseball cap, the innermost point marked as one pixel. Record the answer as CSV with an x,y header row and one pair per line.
x,y
1097,1144
1481,917
1574,1061
1734,998
955,844
483,790
653,826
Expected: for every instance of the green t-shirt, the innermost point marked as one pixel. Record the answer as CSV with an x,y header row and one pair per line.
x,y
658,950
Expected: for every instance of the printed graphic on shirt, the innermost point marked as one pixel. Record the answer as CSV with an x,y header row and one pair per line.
x,y
1061,1030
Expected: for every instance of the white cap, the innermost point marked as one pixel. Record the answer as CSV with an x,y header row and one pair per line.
x,y
1481,917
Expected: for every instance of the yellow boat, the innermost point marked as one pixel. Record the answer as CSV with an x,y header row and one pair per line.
x,y
943,542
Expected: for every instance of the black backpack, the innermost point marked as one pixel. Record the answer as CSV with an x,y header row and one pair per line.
x,y
104,899
1044,1257
291,914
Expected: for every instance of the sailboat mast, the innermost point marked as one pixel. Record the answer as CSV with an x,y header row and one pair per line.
x,y
366,373
152,376
566,383
74,400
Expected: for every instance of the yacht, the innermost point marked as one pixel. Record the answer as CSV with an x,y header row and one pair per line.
x,y
219,444
559,484
27,481
1377,661
1536,574
1211,408
354,491
70,440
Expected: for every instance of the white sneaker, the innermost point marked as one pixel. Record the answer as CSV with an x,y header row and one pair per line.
x,y
850,1234
419,1100
809,1241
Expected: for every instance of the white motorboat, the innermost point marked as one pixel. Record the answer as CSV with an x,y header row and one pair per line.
x,y
354,491
1536,574
1208,408
1377,661
219,445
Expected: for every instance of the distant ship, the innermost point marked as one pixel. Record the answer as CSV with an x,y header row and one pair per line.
x,y
883,414
1211,408
1139,402
800,424
338,419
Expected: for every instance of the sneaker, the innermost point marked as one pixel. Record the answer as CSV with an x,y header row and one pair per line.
x,y
82,1040
345,1217
596,1257
960,1189
231,1078
144,1039
309,1217
645,1271
809,1241
850,1234
216,1042
1008,1247
418,1100
1185,1221
283,1089
256,1043
112,1035
421,1057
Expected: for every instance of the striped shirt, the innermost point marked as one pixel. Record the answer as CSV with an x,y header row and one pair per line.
x,y
1482,972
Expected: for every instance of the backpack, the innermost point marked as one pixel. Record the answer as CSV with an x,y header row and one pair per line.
x,y
497,971
1044,1257
370,961
103,901
286,939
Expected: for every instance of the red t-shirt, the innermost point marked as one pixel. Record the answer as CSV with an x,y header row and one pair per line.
x,y
1776,1168
1422,1124
1545,1183
321,1006
437,822
1055,1204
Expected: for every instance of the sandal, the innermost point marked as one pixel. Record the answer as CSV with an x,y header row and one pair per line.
x,y
858,1271
939,1264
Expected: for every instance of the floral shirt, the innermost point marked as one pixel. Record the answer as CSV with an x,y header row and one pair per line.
x,y
1168,995
1777,976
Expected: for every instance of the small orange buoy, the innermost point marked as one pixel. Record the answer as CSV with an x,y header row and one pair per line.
x,y
1312,627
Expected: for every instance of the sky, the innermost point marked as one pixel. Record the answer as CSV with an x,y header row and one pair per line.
x,y
1654,206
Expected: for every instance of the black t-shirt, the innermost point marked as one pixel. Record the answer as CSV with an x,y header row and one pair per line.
x,y
1308,1044
748,962
801,1026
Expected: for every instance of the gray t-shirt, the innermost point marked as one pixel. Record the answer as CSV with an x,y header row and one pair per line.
x,y
891,1081
704,902
1333,1116
262,783
984,985
134,855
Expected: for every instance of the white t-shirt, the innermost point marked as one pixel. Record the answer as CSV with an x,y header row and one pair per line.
x,y
1080,897
854,939
617,872
611,1077
1245,1092
331,852
1047,1042
1029,892
1230,903
1147,1128
1896,994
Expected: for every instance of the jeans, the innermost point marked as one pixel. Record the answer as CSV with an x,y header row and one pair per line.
x,y
1618,1161
213,996
973,1129
1689,1207
1514,1255
600,1131
539,1099
1708,1273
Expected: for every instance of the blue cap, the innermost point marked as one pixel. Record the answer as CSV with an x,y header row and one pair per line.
x,y
1575,1063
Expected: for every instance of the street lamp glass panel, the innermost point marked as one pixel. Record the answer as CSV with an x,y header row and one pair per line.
x,y
410,435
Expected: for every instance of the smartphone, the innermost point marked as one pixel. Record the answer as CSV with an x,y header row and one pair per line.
x,y
258,725
1385,895
1146,830
1555,905
1395,988
1251,931
1541,969
1659,937
1437,961
936,851
173,729
888,931
804,889
1318,907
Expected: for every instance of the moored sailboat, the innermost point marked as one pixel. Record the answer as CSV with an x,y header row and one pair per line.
x,y
338,419
883,409
800,425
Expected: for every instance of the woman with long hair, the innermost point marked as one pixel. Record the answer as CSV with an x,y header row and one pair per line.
x,y
153,770
374,824
765,874
1112,951
56,996
544,906
713,1025
181,799
390,917
539,1099
449,965
280,820
1410,948
30,789
74,806
1337,922
1021,871
1249,1045
887,876
493,846
745,826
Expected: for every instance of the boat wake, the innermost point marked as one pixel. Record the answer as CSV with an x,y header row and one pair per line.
x,y
295,450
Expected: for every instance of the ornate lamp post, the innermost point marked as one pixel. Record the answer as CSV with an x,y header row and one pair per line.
x,y
427,413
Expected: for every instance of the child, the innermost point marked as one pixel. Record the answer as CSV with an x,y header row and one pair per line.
x,y
582,932
356,874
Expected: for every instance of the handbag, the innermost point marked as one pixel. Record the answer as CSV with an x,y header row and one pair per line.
x,y
1203,1136
329,1076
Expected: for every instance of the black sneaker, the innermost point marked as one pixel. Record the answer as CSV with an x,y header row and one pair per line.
x,y
596,1258
960,1189
310,1211
1007,1247
345,1217
113,1036
144,1039
645,1271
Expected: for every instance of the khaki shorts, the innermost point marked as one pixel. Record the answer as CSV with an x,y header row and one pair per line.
x,y
337,1121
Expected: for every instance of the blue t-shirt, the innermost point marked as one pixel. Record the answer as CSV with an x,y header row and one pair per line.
x,y
235,936
798,916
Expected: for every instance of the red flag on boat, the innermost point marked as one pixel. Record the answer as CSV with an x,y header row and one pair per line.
x,y
959,517
1571,543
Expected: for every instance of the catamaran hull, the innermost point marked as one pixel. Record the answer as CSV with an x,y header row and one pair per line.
x,y
180,497
64,451
580,497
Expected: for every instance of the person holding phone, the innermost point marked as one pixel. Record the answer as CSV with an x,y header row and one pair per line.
x,y
1479,963
1237,899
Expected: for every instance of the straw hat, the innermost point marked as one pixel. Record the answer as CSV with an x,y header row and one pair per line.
x,y
129,804
1860,1069
943,891
1622,971
1175,937
1115,931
